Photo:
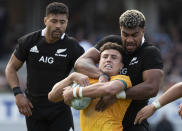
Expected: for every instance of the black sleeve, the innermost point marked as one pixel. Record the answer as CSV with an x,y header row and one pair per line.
x,y
78,51
152,59
21,50
109,38
98,45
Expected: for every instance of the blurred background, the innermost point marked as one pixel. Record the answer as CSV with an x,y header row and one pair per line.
x,y
89,21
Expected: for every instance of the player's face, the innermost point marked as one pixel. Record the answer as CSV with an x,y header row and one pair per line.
x,y
131,38
110,62
56,25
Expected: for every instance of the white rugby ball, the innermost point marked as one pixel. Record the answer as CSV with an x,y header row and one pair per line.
x,y
80,103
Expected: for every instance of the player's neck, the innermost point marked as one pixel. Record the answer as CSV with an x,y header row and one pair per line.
x,y
49,39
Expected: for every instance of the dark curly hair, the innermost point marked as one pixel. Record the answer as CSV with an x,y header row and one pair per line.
x,y
132,19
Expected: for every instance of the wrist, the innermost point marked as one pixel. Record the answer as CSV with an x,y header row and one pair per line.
x,y
17,90
78,92
71,77
156,104
153,107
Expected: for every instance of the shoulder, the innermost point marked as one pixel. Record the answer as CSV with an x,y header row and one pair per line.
x,y
71,40
119,77
73,43
30,36
123,78
149,48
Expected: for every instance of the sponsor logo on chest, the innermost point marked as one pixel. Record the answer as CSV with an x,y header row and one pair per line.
x,y
48,59
60,52
34,49
133,61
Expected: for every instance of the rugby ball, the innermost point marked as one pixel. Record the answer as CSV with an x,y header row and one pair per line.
x,y
80,103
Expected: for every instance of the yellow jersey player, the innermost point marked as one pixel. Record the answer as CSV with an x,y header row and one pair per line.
x,y
110,64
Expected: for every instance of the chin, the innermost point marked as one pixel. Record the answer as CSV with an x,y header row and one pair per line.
x,y
107,72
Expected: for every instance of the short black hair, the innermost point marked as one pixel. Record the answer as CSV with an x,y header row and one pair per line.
x,y
57,8
110,38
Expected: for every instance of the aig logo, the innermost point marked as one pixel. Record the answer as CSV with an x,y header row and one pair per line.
x,y
46,59
123,71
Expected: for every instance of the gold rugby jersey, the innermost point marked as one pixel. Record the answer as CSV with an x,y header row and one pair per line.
x,y
111,118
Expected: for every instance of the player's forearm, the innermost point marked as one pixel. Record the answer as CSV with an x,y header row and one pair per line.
x,y
103,89
11,76
86,64
95,90
171,94
56,94
149,88
142,91
87,67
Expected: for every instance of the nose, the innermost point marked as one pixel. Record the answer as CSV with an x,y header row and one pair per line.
x,y
129,39
109,58
58,25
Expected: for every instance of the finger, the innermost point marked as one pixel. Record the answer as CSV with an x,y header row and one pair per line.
x,y
141,119
136,119
103,107
25,112
29,112
21,110
86,82
99,105
30,104
82,83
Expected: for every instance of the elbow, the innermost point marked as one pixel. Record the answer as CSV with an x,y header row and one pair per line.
x,y
77,64
7,69
113,88
51,98
110,90
153,91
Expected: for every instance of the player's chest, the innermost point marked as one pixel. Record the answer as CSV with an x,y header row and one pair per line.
x,y
49,55
132,65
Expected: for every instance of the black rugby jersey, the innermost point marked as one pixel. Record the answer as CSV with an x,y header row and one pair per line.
x,y
46,63
144,58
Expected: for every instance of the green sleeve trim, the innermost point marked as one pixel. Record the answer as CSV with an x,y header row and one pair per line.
x,y
124,83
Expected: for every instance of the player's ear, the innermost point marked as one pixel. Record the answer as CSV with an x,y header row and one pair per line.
x,y
121,66
45,20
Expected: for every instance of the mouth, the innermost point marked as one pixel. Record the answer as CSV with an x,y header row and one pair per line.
x,y
108,66
57,32
130,46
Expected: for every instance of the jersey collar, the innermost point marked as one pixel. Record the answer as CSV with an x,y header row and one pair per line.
x,y
43,34
143,40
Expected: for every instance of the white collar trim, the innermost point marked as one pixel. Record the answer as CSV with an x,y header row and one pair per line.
x,y
43,34
143,40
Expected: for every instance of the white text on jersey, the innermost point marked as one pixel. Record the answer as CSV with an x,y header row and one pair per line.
x,y
46,59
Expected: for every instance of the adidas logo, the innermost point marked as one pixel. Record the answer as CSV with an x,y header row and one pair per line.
x,y
34,49
59,51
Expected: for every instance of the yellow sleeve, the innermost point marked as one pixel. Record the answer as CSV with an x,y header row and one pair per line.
x,y
124,78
